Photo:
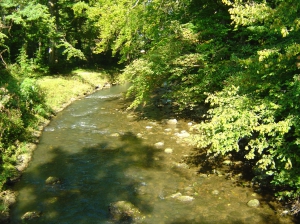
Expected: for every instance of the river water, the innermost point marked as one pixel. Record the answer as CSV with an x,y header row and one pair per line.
x,y
102,154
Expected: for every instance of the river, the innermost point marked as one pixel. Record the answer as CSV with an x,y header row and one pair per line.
x,y
100,153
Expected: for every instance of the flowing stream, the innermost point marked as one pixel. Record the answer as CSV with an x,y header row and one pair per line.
x,y
102,154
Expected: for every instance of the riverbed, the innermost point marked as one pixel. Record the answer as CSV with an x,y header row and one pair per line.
x,y
98,153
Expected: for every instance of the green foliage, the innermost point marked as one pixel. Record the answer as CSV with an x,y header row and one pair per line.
x,y
31,96
27,67
234,117
261,105
141,73
21,101
12,128
70,51
10,119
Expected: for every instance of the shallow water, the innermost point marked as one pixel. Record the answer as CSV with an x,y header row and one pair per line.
x,y
103,154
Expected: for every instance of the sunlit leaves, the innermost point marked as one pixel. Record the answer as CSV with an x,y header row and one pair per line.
x,y
234,117
277,15
70,51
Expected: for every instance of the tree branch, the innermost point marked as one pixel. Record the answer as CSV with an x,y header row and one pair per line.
x,y
137,2
2,58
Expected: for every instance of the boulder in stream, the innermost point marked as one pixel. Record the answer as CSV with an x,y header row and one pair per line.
x,y
125,211
52,180
31,215
253,203
183,198
172,121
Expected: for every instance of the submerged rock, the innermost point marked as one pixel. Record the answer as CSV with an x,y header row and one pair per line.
x,y
125,211
183,198
215,192
52,180
159,144
168,150
181,165
31,215
172,121
115,135
176,195
253,203
182,134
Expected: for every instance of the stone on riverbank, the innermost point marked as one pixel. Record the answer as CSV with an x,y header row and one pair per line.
x,y
7,199
4,217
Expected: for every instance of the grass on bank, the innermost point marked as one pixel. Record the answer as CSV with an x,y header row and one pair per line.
x,y
60,90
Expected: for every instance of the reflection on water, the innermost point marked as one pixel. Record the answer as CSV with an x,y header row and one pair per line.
x,y
102,154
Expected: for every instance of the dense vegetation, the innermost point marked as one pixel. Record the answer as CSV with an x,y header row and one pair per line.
x,y
239,58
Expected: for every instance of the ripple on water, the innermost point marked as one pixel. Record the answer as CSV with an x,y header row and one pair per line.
x,y
104,96
49,129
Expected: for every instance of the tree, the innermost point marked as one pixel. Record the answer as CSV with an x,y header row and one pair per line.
x,y
259,104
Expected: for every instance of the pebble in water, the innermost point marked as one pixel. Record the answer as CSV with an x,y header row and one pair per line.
x,y
215,192
168,150
159,144
172,121
253,203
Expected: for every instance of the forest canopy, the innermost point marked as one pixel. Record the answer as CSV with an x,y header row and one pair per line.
x,y
239,58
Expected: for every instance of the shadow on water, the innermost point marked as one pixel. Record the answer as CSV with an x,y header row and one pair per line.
x,y
88,182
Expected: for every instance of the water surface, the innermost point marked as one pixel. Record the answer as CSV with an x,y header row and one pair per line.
x,y
102,154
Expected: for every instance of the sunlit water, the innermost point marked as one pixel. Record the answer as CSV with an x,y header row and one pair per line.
x,y
103,154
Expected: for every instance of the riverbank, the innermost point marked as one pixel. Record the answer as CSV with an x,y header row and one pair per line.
x,y
59,92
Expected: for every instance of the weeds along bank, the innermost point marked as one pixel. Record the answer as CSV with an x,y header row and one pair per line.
x,y
26,106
